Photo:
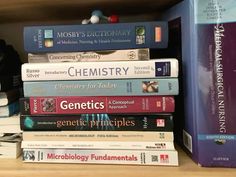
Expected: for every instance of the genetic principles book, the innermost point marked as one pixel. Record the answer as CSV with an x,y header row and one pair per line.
x,y
103,70
98,104
207,130
115,36
104,55
97,122
105,87
122,157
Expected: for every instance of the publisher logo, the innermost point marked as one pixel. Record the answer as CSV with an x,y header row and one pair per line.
x,y
48,38
162,69
131,55
140,35
160,122
164,158
157,34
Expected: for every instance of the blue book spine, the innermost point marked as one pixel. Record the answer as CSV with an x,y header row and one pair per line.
x,y
9,110
207,129
119,87
61,38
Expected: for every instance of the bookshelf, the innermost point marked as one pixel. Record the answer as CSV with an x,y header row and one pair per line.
x,y
15,14
187,168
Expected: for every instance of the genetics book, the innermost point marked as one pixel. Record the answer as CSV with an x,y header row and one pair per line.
x,y
98,104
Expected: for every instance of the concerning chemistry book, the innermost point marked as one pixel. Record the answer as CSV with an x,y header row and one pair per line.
x,y
103,55
68,38
132,157
96,122
102,70
105,87
98,104
208,57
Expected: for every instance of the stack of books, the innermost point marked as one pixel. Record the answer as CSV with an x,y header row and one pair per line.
x,y
10,145
10,92
115,107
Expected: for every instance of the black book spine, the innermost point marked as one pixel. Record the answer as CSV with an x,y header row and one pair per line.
x,y
97,122
8,82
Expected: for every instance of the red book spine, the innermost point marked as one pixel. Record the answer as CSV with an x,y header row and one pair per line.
x,y
98,104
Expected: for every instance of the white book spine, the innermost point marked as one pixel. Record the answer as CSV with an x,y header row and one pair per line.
x,y
99,145
107,55
127,136
104,70
132,157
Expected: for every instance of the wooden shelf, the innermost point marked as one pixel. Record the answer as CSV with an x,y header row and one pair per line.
x,y
16,168
45,10
14,14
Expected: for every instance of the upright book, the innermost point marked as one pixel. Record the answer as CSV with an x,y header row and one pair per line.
x,y
209,70
103,70
68,38
98,104
105,87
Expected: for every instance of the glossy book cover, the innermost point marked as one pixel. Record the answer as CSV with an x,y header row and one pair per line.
x,y
209,70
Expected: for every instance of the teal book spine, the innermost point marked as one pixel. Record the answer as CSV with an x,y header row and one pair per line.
x,y
112,87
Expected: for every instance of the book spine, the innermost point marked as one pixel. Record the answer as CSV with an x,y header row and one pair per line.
x,y
9,96
107,55
9,82
98,104
68,38
125,136
105,70
97,122
9,110
115,87
98,145
166,158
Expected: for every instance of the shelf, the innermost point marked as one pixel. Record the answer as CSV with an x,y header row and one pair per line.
x,y
186,168
45,10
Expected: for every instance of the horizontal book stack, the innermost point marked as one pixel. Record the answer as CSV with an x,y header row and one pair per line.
x,y
10,92
112,106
